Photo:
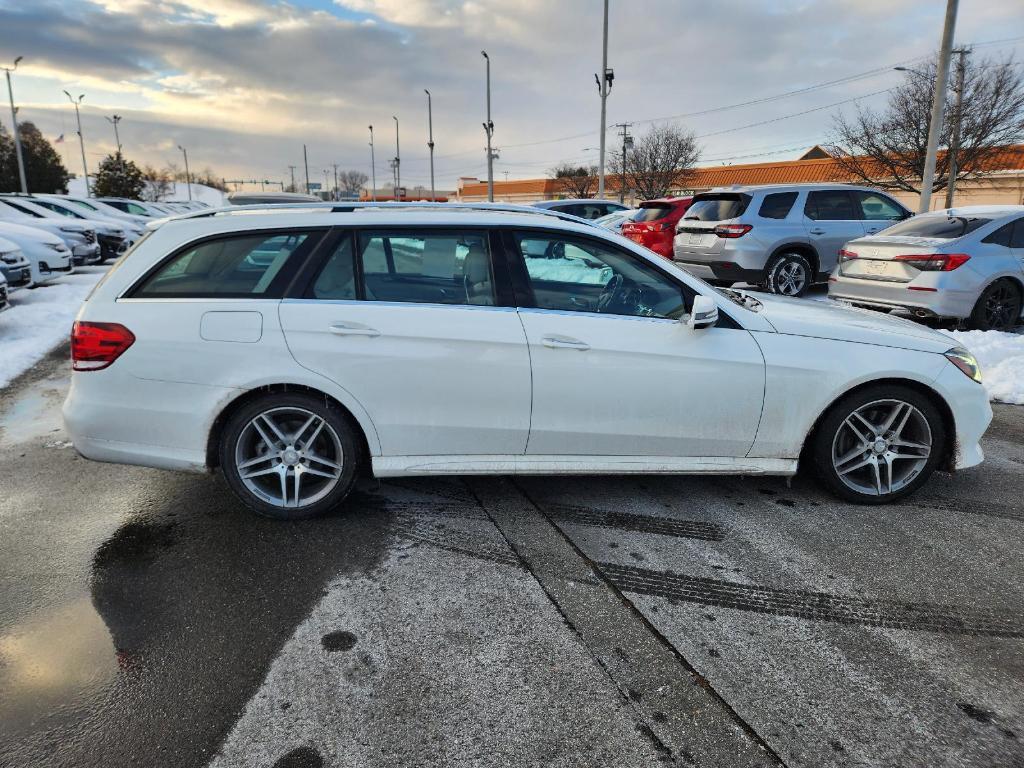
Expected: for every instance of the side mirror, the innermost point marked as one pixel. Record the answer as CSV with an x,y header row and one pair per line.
x,y
703,314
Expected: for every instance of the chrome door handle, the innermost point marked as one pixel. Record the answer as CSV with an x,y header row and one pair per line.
x,y
563,342
817,231
352,329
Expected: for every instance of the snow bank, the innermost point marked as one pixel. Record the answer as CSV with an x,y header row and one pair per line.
x,y
39,320
1001,356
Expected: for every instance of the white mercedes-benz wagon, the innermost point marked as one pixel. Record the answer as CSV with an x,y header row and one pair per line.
x,y
294,348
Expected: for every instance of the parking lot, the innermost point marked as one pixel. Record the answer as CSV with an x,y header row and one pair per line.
x,y
148,619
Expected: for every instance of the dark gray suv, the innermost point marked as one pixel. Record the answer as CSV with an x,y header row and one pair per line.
x,y
782,236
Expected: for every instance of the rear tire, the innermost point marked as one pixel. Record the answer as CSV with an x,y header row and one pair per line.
x,y
998,308
290,456
789,274
879,444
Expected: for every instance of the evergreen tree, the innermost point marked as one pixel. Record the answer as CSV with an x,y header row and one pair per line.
x,y
44,170
118,177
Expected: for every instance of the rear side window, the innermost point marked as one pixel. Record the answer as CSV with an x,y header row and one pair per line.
x,y
240,266
940,227
831,205
717,206
652,211
777,205
1017,241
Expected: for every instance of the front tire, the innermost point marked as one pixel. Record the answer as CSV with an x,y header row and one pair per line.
x,y
289,456
788,274
998,308
879,444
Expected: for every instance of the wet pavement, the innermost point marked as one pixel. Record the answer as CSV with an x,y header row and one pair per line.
x,y
146,619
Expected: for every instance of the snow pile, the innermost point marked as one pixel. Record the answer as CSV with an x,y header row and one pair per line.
x,y
39,320
1001,356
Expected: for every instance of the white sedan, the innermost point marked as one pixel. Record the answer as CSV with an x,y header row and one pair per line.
x,y
295,348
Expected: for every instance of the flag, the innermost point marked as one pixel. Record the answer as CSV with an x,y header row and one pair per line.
x,y
59,139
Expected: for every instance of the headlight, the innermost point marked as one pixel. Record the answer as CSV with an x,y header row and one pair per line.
x,y
965,361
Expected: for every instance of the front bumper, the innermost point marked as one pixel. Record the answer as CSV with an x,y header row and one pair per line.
x,y
111,247
86,253
972,413
19,276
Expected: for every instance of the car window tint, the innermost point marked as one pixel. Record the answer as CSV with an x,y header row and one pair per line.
x,y
137,209
830,205
1017,241
228,267
435,267
777,205
337,278
583,276
875,207
1001,236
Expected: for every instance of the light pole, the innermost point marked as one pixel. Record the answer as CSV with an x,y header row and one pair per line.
x,y
398,163
489,130
604,84
291,169
188,176
430,142
373,170
305,163
81,140
938,101
14,124
114,120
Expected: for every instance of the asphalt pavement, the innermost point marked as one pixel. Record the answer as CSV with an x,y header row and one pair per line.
x,y
146,619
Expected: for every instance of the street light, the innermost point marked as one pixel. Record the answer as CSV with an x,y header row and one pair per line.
x,y
489,130
117,138
430,142
912,71
373,170
14,124
188,176
398,162
81,139
604,84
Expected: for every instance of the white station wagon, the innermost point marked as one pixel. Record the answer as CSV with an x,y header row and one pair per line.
x,y
295,348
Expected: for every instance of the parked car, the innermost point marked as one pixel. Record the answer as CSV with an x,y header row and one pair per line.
x,y
654,225
131,230
585,208
4,303
783,237
136,207
91,205
48,255
14,266
960,263
614,221
80,239
428,343
110,236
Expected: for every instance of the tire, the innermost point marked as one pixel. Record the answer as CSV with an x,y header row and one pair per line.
x,y
317,436
789,274
846,465
998,308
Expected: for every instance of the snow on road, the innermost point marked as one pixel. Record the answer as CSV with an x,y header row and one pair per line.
x,y
1001,356
40,319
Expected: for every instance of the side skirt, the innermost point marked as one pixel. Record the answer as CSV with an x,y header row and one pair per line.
x,y
397,466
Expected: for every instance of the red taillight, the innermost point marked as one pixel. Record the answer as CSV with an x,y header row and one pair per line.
x,y
94,346
934,262
732,230
845,255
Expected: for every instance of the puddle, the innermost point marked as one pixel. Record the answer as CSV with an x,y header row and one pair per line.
x,y
35,413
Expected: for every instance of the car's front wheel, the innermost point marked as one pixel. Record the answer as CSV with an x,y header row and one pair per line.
x,y
289,456
879,444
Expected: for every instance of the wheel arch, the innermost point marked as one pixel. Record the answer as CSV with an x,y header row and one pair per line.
x,y
804,249
1016,280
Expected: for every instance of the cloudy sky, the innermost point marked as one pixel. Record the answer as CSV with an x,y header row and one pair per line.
x,y
244,83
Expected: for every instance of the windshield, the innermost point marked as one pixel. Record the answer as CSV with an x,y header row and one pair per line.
x,y
652,211
941,227
717,206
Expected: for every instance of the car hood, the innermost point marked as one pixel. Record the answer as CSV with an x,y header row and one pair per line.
x,y
833,320
19,232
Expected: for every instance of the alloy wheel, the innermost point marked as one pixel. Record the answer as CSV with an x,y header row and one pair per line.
x,y
790,279
1001,307
881,447
289,457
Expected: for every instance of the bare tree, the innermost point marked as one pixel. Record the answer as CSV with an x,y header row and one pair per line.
x,y
350,182
659,161
575,180
887,149
158,183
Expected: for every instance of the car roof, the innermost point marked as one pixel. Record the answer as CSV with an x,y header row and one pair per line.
x,y
790,187
977,210
572,201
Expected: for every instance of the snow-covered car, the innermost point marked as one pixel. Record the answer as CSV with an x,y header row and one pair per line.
x,y
4,303
48,255
14,266
90,206
114,237
80,239
138,207
292,348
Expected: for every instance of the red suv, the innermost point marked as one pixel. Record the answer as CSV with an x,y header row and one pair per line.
x,y
654,225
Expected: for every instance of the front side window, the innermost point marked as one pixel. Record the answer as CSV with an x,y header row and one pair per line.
x,y
830,205
428,267
876,207
239,266
578,275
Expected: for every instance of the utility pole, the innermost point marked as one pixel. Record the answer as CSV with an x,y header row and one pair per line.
x,y
398,162
373,170
489,130
188,176
604,84
305,162
14,124
627,143
938,102
117,137
291,169
430,142
335,180
958,117
327,181
81,141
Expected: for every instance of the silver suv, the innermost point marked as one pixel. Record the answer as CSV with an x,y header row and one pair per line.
x,y
781,236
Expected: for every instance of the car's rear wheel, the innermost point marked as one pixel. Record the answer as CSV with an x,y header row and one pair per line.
x,y
998,307
289,456
879,444
788,274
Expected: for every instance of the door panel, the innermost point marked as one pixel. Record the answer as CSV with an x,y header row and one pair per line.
x,y
832,219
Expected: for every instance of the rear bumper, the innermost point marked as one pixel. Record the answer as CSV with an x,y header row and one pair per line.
x,y
721,271
886,295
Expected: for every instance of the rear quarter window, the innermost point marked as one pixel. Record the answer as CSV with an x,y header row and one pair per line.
x,y
777,205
